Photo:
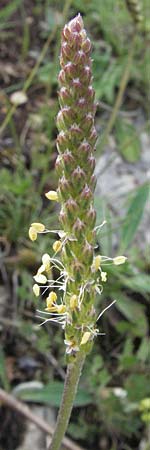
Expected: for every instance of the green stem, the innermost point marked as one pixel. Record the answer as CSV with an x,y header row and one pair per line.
x,y
120,94
71,383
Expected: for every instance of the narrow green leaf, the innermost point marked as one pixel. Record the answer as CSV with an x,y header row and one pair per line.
x,y
144,350
138,283
51,394
128,141
9,9
133,311
134,216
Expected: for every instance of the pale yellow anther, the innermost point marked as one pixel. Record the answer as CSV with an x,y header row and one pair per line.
x,y
36,290
73,302
61,309
41,269
51,308
52,195
85,338
32,234
104,276
39,278
51,298
57,246
38,227
46,261
49,302
96,263
119,260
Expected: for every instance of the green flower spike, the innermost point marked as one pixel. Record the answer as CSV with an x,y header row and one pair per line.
x,y
75,165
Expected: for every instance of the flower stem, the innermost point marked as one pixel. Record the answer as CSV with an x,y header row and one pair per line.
x,y
71,383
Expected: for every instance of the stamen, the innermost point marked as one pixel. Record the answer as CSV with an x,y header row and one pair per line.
x,y
105,309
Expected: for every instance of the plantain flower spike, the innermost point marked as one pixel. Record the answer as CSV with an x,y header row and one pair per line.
x,y
75,166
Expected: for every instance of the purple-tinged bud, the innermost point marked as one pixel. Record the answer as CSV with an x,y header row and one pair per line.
x,y
76,84
76,41
66,33
65,118
60,121
71,208
76,133
76,24
62,141
92,182
91,163
86,195
79,57
78,270
86,74
63,219
62,77
78,228
69,162
82,107
84,149
93,137
65,53
78,178
70,71
87,122
59,165
64,96
91,216
64,187
88,253
90,93
86,46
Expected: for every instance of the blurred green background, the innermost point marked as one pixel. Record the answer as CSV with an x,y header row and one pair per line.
x,y
116,376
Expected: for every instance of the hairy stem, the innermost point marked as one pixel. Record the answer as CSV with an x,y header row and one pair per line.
x,y
71,383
